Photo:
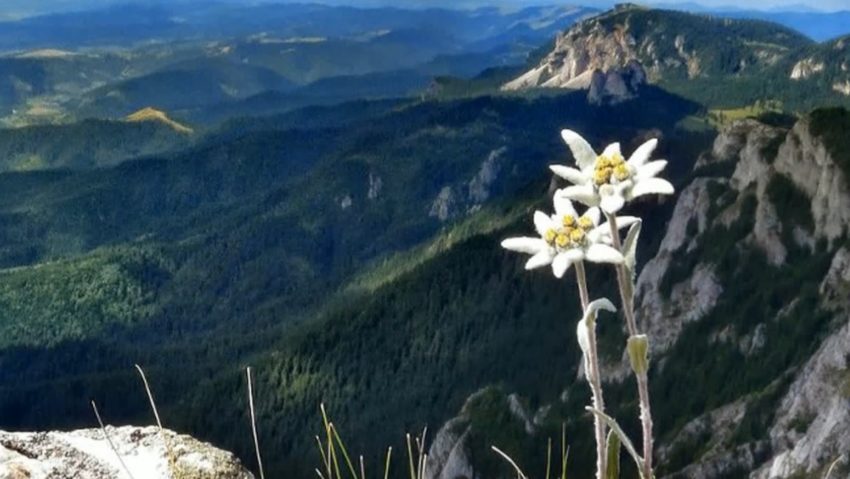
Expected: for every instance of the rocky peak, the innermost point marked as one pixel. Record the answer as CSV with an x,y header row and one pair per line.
x,y
578,53
668,45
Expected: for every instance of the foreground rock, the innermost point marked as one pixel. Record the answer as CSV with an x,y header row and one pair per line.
x,y
86,454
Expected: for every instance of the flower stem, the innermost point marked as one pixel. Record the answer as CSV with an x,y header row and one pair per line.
x,y
594,377
627,298
581,279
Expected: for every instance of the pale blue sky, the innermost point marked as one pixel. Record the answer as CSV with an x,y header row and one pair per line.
x,y
11,7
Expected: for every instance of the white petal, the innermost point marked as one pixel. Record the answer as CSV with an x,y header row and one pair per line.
x,y
581,149
525,245
563,205
600,233
583,339
601,253
540,259
596,305
583,194
575,254
625,221
572,175
651,185
593,213
542,223
560,265
650,169
642,153
611,150
612,203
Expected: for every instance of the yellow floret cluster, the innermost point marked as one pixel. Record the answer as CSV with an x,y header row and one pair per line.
x,y
608,167
571,234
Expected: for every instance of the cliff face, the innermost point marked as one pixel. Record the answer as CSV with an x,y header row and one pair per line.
x,y
577,54
798,202
746,304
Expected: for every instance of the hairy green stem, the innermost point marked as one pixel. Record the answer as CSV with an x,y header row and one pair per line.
x,y
627,298
594,377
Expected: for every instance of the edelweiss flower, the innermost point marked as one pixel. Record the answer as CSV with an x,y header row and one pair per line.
x,y
608,180
566,237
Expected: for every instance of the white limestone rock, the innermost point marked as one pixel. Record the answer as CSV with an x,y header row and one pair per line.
x,y
805,160
86,454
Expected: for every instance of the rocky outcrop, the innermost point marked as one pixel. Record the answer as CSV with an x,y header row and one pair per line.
x,y
661,317
480,186
577,54
666,43
812,426
468,197
450,454
449,457
804,159
375,186
805,68
711,433
842,87
801,158
86,454
616,85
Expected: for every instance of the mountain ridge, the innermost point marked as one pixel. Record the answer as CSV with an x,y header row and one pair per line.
x,y
679,51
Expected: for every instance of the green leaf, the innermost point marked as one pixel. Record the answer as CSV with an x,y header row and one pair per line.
x,y
613,455
624,439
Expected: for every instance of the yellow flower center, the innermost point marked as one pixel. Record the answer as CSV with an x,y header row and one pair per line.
x,y
617,160
585,223
569,221
562,240
607,168
550,236
621,172
601,175
577,235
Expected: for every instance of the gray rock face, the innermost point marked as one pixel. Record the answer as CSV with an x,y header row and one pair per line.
x,y
804,159
577,54
454,200
611,40
449,456
663,318
711,431
86,454
812,426
480,185
444,205
375,186
616,85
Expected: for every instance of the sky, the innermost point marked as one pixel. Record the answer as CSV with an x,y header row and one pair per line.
x,y
10,8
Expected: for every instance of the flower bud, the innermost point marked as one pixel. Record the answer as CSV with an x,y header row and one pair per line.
x,y
638,348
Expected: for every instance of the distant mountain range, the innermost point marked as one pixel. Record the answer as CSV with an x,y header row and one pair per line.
x,y
184,57
691,53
